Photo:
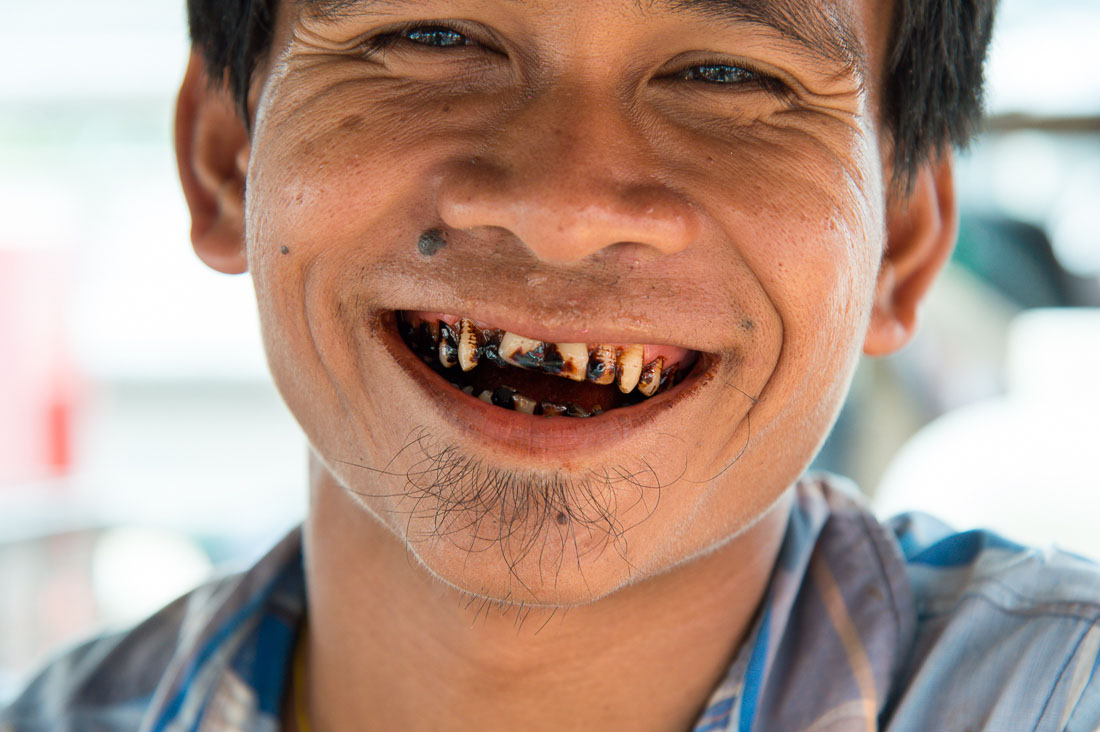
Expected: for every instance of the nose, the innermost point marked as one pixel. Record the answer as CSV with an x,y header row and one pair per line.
x,y
569,177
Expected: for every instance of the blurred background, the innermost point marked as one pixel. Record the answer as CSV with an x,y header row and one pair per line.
x,y
143,447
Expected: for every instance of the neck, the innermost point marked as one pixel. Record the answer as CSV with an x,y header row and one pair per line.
x,y
390,644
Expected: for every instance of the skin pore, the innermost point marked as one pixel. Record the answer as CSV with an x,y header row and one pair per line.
x,y
604,171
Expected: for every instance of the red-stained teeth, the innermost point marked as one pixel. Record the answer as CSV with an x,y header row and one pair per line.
x,y
629,368
650,380
468,355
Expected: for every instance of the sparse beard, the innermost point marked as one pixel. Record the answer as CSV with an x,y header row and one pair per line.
x,y
537,520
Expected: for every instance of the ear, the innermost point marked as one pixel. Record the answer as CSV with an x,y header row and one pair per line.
x,y
212,153
920,234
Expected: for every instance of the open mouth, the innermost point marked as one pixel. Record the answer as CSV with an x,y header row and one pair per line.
x,y
536,377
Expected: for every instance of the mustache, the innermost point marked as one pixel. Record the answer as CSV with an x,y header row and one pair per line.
x,y
444,493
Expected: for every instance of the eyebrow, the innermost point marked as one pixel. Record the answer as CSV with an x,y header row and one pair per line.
x,y
828,34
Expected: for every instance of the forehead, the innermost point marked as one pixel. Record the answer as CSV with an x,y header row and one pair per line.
x,y
827,29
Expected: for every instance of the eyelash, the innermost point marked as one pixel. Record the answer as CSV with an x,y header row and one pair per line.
x,y
698,73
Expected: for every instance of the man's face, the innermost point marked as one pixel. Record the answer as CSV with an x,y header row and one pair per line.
x,y
702,182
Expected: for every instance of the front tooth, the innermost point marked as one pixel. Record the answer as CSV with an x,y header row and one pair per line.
x,y
574,358
601,365
448,346
629,368
519,351
467,345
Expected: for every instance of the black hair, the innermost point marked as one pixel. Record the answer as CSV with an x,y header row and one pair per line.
x,y
932,88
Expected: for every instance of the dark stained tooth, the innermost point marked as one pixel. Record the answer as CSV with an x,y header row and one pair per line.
x,y
519,351
575,410
524,404
468,390
503,397
574,357
486,396
490,350
552,360
468,351
448,346
668,377
601,365
650,379
549,409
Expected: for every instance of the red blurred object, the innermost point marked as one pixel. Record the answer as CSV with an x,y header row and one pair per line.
x,y
37,376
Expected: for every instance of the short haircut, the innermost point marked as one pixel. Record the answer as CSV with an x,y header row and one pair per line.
x,y
932,87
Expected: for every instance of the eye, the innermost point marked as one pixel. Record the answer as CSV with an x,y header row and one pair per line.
x,y
720,74
418,36
436,36
732,77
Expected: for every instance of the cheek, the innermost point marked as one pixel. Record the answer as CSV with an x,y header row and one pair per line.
x,y
806,211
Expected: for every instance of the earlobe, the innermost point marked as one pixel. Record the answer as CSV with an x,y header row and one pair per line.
x,y
920,235
212,154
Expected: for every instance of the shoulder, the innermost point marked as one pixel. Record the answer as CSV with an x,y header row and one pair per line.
x,y
1007,636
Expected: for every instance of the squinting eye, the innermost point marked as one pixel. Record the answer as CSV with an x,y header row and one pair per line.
x,y
720,74
437,37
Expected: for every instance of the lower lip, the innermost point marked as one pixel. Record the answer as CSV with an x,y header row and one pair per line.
x,y
536,436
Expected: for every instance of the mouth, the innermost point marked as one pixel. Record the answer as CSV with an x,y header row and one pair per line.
x,y
541,378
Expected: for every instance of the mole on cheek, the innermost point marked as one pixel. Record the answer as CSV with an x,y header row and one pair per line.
x,y
430,242
285,250
747,324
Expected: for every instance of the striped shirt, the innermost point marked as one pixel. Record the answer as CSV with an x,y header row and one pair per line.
x,y
864,626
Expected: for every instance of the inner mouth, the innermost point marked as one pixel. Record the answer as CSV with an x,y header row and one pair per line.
x,y
536,377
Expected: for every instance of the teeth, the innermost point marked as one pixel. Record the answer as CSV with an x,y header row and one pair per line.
x,y
650,379
549,409
574,358
524,404
601,365
486,396
448,346
503,396
467,345
520,351
468,390
629,368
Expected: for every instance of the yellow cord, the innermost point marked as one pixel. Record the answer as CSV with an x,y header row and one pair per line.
x,y
301,702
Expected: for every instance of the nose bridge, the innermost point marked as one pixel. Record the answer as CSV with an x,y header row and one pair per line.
x,y
569,172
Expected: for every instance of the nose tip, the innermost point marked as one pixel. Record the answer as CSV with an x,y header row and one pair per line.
x,y
567,217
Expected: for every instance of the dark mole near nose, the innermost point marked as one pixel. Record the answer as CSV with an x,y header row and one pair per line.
x,y
747,324
430,242
285,250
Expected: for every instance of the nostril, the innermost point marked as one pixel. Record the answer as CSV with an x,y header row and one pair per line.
x,y
568,219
